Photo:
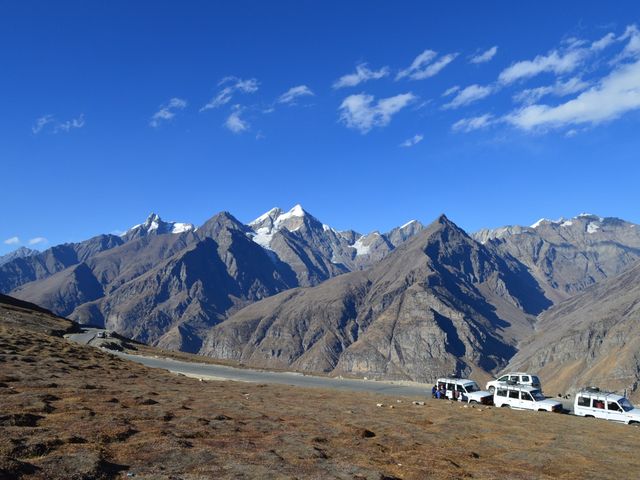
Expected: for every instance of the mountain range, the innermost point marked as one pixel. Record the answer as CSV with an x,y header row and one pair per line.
x,y
288,291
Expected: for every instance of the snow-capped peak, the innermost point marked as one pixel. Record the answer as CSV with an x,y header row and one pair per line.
x,y
407,224
154,223
271,214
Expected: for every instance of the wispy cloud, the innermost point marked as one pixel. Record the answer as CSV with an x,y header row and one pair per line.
x,y
632,48
554,62
362,112
232,85
604,42
424,66
558,89
70,124
12,241
291,96
485,56
38,241
41,123
50,124
362,74
468,95
450,91
410,142
234,121
167,111
614,95
473,123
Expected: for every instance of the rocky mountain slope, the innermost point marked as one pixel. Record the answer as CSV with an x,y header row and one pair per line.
x,y
441,302
592,338
566,256
166,283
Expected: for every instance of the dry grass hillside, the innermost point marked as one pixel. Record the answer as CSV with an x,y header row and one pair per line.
x,y
75,412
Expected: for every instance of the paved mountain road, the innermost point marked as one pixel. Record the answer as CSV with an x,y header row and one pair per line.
x,y
204,370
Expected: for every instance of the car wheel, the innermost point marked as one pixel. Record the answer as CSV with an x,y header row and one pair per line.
x,y
506,406
541,410
492,389
589,416
473,402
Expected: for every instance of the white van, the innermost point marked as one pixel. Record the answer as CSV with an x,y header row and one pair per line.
x,y
592,402
513,378
524,397
463,390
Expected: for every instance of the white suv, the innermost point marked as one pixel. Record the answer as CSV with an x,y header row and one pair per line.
x,y
594,403
524,397
515,378
464,390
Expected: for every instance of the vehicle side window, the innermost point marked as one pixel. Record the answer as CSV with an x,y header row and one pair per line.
x,y
584,401
503,378
513,394
613,406
598,404
514,378
526,396
525,378
459,388
502,392
451,387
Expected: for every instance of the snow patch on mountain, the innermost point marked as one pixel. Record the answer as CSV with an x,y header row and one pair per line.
x,y
361,249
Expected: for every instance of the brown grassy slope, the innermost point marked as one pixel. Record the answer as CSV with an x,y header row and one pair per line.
x,y
71,411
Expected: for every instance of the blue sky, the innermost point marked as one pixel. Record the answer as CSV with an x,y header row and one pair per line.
x,y
367,113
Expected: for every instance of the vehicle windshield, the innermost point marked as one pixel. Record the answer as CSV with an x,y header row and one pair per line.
x,y
537,395
471,387
535,380
625,404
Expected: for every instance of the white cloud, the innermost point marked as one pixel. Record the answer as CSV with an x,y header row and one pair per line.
x,y
451,91
167,111
235,123
423,67
294,93
54,126
473,123
70,124
559,89
484,56
41,123
38,241
614,95
410,142
604,42
363,113
12,241
468,95
555,62
363,74
233,85
632,48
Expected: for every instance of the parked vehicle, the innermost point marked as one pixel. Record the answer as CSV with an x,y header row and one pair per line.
x,y
592,402
515,378
464,390
524,397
